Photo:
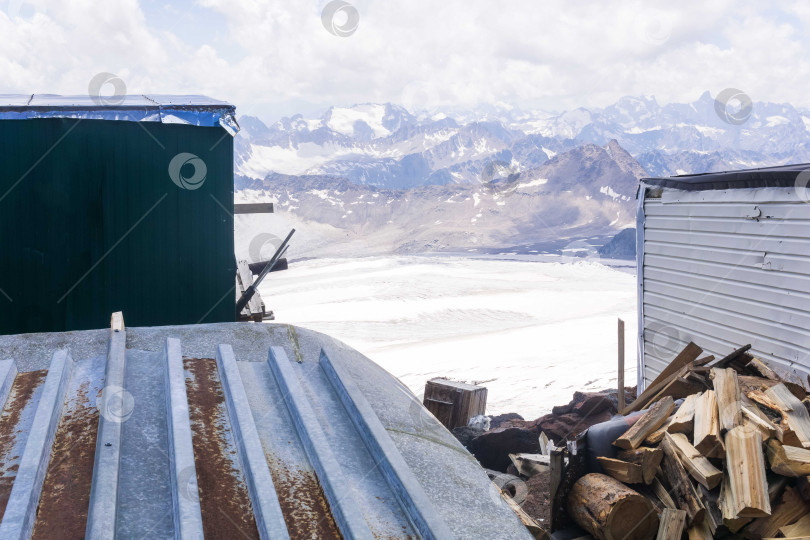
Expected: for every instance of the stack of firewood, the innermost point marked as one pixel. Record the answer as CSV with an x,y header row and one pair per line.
x,y
714,449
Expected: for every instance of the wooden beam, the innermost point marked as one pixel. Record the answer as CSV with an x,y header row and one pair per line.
x,y
653,419
796,415
698,466
627,473
684,419
788,460
707,426
745,463
727,390
556,474
621,367
253,208
726,360
683,492
671,524
117,322
688,355
649,459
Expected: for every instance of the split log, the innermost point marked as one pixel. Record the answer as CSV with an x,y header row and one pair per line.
x,y
790,509
707,426
693,461
788,460
754,417
628,473
684,419
797,417
726,505
799,529
656,436
700,532
732,357
671,524
662,493
683,492
714,517
748,487
609,510
789,378
653,419
727,390
750,383
647,458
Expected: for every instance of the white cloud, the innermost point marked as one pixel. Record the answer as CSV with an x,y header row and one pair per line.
x,y
276,57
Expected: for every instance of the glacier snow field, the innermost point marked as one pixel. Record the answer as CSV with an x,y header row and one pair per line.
x,y
531,332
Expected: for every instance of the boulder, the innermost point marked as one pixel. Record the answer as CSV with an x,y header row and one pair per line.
x,y
492,448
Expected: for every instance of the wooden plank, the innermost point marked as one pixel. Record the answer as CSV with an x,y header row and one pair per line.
x,y
707,426
649,459
627,473
789,510
683,492
649,422
798,419
530,464
255,303
727,390
748,487
788,460
117,321
621,367
689,354
684,419
253,208
671,524
698,466
556,473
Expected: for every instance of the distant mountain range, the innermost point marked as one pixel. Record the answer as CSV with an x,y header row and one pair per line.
x,y
495,179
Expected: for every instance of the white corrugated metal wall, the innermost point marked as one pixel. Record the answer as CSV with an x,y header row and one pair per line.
x,y
725,268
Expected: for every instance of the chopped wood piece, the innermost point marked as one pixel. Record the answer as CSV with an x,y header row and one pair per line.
x,y
799,529
752,416
530,464
688,355
748,487
788,460
683,492
680,387
684,419
789,509
671,524
609,510
714,517
731,358
698,466
656,436
117,321
759,367
707,426
629,473
776,485
797,417
545,444
647,458
662,493
700,532
728,398
726,505
653,419
750,383
700,362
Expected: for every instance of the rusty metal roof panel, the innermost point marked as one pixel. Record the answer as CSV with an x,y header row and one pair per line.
x,y
229,430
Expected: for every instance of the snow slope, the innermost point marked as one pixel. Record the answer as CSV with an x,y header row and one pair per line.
x,y
531,332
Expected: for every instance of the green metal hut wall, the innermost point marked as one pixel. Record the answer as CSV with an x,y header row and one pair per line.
x,y
91,223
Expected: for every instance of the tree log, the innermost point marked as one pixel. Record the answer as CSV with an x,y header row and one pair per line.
x,y
609,510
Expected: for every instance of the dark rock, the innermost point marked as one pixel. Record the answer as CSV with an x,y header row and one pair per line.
x,y
562,409
594,403
497,421
492,449
465,434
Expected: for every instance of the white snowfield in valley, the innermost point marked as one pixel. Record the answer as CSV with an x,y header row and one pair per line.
x,y
531,332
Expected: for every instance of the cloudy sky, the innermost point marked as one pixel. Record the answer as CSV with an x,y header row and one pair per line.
x,y
278,57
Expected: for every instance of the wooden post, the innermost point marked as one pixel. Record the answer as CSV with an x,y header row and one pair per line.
x,y
556,473
621,366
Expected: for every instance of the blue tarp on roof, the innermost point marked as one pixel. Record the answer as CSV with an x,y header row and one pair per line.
x,y
168,109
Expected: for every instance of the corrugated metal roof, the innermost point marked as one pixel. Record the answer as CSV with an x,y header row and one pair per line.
x,y
231,430
724,269
171,109
779,176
